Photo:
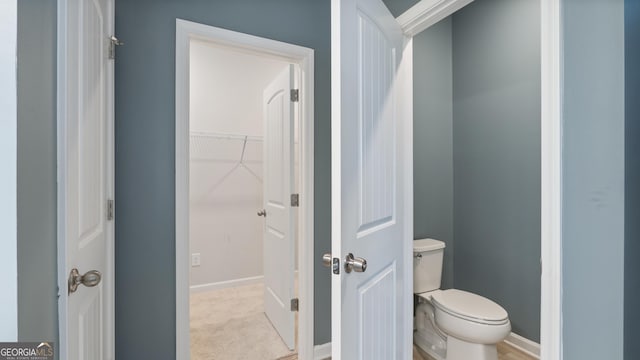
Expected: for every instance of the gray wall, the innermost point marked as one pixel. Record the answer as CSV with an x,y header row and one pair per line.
x,y
593,179
397,7
433,140
496,152
145,72
145,179
477,152
632,180
37,264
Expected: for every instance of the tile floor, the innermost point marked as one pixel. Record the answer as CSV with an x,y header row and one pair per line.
x,y
223,320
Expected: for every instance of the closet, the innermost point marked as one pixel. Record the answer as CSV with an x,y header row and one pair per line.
x,y
225,194
232,280
206,148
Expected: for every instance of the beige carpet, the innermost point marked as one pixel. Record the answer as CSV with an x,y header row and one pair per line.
x,y
230,324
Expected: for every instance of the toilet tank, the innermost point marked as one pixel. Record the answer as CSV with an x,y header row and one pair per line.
x,y
427,264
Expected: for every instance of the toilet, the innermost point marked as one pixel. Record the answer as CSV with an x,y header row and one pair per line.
x,y
452,324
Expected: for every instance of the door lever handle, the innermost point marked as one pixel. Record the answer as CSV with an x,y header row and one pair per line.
x,y
262,212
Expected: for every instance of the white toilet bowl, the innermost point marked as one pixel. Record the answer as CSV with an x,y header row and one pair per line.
x,y
453,324
473,324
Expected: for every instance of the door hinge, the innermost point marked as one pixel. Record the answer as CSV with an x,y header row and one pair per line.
x,y
295,200
109,209
295,303
113,42
295,95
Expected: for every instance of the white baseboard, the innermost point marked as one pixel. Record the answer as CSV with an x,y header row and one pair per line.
x,y
321,352
226,284
525,345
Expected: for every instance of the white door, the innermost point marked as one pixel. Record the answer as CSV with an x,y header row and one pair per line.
x,y
85,179
371,183
279,220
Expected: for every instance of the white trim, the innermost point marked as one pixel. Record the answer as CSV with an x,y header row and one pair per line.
x,y
61,79
304,57
523,344
551,181
427,13
8,182
226,284
322,352
336,181
405,106
183,341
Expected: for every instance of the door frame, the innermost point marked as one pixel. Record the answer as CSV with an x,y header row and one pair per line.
x,y
301,56
427,13
8,183
108,277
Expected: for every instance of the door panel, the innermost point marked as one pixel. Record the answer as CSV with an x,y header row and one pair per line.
x,y
86,177
279,221
378,317
369,317
376,130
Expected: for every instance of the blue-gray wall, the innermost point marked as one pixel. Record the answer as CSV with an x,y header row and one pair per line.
x,y
433,140
496,156
37,264
397,7
592,170
145,146
632,180
593,179
477,152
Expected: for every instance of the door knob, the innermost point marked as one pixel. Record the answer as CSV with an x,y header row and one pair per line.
x,y
326,260
356,264
262,212
89,279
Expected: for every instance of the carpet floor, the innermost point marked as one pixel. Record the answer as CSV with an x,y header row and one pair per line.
x,y
230,324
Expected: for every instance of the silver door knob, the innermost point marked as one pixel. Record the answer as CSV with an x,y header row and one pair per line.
x,y
326,260
89,279
262,212
356,264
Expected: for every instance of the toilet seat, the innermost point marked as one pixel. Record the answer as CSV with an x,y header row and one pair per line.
x,y
470,307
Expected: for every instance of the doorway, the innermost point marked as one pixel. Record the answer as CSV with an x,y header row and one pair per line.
x,y
235,290
229,178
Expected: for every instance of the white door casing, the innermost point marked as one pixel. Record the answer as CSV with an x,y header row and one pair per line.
x,y
304,60
371,182
279,234
85,176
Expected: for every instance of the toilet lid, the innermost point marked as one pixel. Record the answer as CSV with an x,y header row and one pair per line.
x,y
470,306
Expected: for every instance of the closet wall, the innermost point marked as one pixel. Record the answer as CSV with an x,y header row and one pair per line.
x,y
226,171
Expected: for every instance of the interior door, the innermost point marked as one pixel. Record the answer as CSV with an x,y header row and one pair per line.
x,y
371,183
85,179
279,221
